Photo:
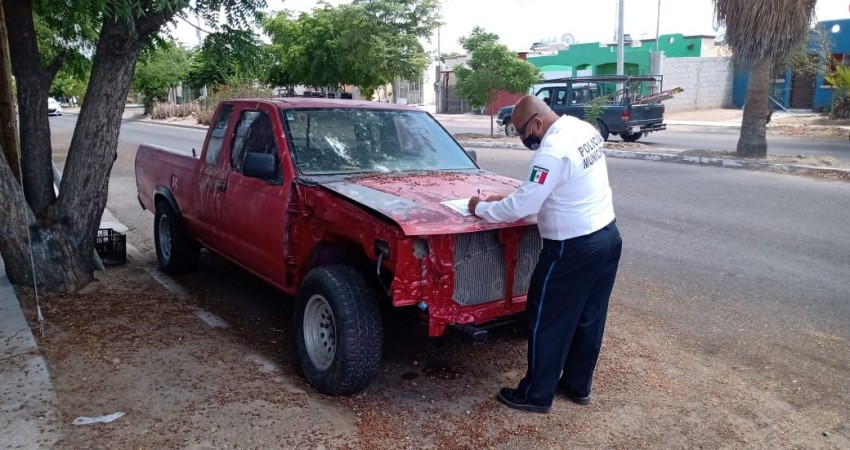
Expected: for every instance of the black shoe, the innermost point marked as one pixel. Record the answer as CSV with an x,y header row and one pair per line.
x,y
574,398
510,398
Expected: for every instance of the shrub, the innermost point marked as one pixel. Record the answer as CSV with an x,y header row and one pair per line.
x,y
232,90
162,111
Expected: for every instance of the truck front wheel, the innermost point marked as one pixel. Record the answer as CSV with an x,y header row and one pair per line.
x,y
176,252
338,333
510,129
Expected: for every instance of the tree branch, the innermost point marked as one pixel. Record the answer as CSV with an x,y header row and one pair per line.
x,y
56,64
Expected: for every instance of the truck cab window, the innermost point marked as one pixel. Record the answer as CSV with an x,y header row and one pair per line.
x,y
217,134
243,129
561,97
545,95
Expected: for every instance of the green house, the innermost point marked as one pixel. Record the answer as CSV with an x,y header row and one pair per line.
x,y
601,58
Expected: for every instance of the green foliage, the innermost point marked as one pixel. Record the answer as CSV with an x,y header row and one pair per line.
x,y
595,109
228,54
839,79
234,89
67,84
159,71
491,67
368,43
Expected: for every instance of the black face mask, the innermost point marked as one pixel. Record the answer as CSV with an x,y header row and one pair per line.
x,y
531,141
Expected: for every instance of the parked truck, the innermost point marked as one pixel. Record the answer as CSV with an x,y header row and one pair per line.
x,y
625,105
346,207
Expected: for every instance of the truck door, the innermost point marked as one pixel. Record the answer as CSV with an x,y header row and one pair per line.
x,y
211,182
577,99
545,94
256,208
559,100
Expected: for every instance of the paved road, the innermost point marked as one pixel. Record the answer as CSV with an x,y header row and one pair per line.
x,y
722,139
691,138
749,266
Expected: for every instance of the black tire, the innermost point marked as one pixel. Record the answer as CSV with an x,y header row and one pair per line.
x,y
176,252
345,360
631,137
603,130
510,129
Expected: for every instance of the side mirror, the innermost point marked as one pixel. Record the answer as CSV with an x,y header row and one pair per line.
x,y
473,154
260,165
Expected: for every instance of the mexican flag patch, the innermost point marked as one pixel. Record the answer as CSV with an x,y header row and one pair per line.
x,y
538,175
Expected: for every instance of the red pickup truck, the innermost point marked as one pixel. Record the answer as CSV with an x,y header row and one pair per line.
x,y
346,206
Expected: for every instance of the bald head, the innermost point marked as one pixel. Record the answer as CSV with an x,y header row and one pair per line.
x,y
527,107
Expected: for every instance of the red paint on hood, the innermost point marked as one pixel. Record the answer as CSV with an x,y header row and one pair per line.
x,y
413,201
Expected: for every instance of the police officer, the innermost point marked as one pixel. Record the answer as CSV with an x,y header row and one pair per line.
x,y
567,187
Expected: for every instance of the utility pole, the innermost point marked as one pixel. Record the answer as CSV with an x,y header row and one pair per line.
x,y
8,113
658,28
620,45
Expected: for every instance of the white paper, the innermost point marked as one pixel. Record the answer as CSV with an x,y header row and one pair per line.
x,y
101,419
460,205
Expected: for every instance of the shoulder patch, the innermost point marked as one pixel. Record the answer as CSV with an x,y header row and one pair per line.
x,y
538,175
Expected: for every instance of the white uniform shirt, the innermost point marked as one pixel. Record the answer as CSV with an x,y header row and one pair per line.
x,y
567,186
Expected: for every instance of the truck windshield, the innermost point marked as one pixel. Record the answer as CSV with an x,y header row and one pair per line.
x,y
327,141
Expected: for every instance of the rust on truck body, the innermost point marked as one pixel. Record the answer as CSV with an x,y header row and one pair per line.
x,y
457,269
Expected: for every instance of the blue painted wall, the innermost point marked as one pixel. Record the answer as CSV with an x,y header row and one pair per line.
x,y
839,37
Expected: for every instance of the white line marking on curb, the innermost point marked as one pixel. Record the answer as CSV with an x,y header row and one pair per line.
x,y
266,365
168,283
211,319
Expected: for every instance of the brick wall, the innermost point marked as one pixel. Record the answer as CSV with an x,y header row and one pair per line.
x,y
707,83
503,99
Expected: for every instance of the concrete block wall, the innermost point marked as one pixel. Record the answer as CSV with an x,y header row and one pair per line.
x,y
707,83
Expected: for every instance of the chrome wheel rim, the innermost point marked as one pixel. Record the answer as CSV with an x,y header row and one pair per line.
x,y
164,233
511,129
319,332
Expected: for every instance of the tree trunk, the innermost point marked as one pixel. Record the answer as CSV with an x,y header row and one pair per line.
x,y
57,263
63,243
753,140
33,85
8,113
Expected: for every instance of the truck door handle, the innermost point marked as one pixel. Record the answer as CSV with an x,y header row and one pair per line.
x,y
221,186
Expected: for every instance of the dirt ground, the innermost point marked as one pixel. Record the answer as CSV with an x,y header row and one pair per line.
x,y
187,381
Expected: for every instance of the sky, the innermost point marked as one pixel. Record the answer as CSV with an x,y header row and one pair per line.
x,y
519,23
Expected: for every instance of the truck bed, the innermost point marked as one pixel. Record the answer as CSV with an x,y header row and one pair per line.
x,y
164,167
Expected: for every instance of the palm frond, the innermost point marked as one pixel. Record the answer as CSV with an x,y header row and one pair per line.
x,y
758,29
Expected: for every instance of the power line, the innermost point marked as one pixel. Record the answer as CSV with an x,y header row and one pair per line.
x,y
193,25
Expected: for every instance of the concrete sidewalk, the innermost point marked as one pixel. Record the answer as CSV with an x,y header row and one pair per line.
x,y
29,412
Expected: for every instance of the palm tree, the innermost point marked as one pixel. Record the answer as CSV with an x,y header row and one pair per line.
x,y
760,33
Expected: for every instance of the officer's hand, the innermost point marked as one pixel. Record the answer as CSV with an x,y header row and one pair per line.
x,y
473,202
494,198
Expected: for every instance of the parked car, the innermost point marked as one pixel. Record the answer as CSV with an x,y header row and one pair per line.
x,y
626,109
351,207
53,107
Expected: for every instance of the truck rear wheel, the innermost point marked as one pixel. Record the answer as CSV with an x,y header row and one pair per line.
x,y
338,332
603,130
631,137
176,252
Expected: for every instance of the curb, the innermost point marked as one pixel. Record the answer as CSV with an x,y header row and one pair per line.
x,y
165,124
694,160
29,411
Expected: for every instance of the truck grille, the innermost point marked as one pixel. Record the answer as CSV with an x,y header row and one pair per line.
x,y
480,266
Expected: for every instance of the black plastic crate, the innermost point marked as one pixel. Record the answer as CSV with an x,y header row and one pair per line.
x,y
111,246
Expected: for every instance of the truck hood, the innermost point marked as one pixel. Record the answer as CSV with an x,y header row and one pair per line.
x,y
415,201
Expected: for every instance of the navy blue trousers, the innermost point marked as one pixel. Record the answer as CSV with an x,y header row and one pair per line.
x,y
566,311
